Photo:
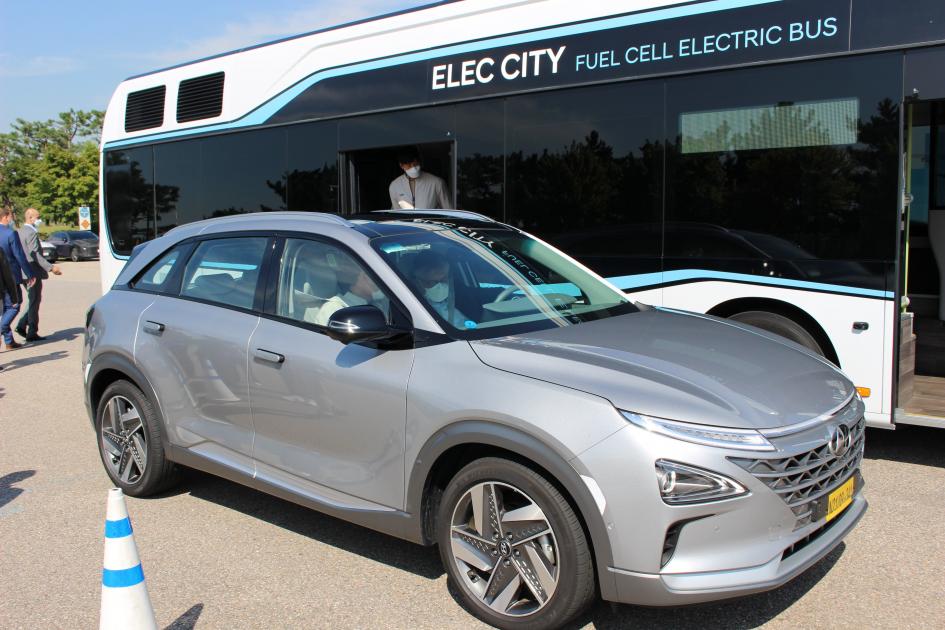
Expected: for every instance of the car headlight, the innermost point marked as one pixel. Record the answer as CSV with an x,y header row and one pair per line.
x,y
680,484
722,437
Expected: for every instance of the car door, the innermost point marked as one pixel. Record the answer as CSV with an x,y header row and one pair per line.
x,y
330,418
58,239
192,348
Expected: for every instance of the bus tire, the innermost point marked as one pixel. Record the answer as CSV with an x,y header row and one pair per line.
x,y
779,325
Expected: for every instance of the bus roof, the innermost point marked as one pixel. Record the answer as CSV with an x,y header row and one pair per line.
x,y
452,51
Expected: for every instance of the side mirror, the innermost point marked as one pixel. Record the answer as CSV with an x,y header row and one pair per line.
x,y
359,323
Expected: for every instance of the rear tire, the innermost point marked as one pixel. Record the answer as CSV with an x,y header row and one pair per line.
x,y
130,441
523,536
780,325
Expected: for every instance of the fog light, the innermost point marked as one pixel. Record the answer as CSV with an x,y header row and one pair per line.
x,y
681,484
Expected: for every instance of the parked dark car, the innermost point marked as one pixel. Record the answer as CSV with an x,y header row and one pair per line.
x,y
75,244
49,251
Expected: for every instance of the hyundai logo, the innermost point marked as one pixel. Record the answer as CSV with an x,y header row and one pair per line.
x,y
841,440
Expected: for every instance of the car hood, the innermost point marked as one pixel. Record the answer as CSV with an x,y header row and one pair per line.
x,y
679,366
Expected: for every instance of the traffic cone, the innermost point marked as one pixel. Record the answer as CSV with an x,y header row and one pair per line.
x,y
125,601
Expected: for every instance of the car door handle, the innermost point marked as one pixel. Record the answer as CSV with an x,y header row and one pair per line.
x,y
155,328
269,357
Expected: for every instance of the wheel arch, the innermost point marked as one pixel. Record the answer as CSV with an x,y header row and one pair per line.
x,y
454,446
785,309
110,367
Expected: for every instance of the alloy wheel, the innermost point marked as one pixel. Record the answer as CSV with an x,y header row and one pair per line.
x,y
504,549
124,440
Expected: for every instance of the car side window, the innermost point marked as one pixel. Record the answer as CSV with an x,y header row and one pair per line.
x,y
157,277
225,270
316,279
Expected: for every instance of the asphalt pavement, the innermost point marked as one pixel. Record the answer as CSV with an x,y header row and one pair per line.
x,y
218,555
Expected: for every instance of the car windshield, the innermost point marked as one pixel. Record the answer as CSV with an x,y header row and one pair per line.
x,y
83,234
481,282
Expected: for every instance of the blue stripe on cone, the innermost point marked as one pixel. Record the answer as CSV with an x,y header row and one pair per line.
x,y
122,577
118,529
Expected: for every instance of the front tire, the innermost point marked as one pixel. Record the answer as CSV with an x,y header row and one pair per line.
x,y
513,547
74,255
130,441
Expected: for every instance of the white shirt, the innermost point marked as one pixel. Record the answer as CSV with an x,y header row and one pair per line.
x,y
337,303
430,193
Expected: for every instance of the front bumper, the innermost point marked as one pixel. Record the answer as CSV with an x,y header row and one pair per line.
x,y
694,588
684,554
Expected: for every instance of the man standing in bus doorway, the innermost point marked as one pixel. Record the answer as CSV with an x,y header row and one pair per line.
x,y
415,188
28,326
20,267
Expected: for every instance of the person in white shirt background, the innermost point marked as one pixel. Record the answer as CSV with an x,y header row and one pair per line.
x,y
361,291
417,188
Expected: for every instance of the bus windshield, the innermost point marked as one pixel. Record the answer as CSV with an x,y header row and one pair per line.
x,y
489,282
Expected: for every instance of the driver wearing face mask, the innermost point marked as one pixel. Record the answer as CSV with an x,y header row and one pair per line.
x,y
417,188
361,291
431,272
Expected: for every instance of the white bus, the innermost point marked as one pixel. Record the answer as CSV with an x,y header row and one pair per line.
x,y
778,162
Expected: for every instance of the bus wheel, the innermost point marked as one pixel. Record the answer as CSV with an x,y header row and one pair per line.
x,y
779,325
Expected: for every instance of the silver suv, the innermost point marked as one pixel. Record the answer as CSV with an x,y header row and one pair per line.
x,y
452,380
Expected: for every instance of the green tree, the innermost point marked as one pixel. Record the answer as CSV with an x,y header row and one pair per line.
x,y
53,164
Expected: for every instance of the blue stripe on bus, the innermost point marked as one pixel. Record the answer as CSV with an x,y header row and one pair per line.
x,y
118,529
262,113
645,280
118,578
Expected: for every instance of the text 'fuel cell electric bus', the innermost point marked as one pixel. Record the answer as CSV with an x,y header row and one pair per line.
x,y
778,162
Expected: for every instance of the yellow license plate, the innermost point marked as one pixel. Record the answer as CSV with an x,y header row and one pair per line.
x,y
839,499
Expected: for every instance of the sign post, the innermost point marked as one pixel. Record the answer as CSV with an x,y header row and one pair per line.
x,y
85,218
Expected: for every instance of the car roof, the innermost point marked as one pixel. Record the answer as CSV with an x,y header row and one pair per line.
x,y
366,226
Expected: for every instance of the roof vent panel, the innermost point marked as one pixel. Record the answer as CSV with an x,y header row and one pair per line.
x,y
144,109
200,97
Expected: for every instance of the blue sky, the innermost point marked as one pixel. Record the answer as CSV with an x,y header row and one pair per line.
x,y
56,54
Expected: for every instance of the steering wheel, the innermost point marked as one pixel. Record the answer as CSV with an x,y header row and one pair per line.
x,y
507,293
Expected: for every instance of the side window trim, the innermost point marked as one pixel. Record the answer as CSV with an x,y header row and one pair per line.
x,y
268,291
173,281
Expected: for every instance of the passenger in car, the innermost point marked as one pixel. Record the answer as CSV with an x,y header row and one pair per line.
x,y
431,272
361,291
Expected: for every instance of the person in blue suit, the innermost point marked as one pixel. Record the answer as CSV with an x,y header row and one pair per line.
x,y
20,268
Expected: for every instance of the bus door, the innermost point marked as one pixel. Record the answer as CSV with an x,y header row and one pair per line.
x,y
922,390
368,173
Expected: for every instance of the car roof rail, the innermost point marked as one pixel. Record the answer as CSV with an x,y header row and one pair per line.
x,y
458,214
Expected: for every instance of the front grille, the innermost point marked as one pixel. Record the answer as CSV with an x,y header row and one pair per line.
x,y
807,540
804,480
